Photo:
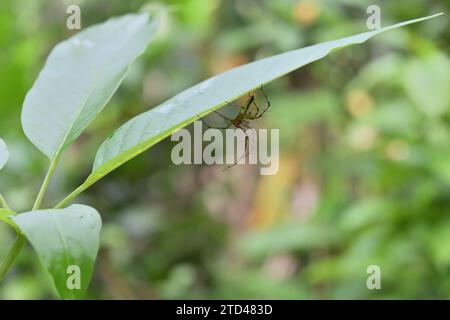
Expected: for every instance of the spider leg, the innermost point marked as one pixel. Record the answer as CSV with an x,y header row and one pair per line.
x,y
247,150
247,142
268,104
243,126
254,115
231,166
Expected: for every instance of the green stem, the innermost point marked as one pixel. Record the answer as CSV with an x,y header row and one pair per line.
x,y
12,255
21,240
45,184
71,196
3,203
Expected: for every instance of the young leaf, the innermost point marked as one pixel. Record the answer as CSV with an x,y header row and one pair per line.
x,y
67,242
80,76
145,130
4,154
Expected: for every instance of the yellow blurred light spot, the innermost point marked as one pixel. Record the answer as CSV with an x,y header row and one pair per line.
x,y
358,103
363,138
223,63
397,150
271,195
306,12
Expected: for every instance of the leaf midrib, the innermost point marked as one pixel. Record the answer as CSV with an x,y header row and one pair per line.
x,y
62,238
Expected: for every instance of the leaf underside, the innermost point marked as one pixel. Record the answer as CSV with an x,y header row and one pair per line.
x,y
63,238
145,130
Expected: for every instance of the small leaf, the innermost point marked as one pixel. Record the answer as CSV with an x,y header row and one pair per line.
x,y
4,154
67,242
79,78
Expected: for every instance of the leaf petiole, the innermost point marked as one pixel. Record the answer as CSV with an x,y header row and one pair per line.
x,y
46,183
71,196
21,240
12,255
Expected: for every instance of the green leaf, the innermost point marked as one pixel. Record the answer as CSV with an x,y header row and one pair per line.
x,y
4,154
79,78
145,130
66,241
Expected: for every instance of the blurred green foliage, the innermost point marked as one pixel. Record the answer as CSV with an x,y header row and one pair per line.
x,y
365,160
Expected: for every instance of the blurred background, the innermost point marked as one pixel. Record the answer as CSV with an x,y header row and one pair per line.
x,y
364,157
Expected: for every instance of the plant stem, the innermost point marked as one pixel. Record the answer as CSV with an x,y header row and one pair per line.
x,y
3,203
45,184
71,196
21,240
12,255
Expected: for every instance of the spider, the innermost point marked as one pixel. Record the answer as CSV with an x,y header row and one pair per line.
x,y
245,114
248,112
